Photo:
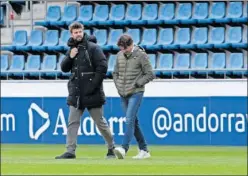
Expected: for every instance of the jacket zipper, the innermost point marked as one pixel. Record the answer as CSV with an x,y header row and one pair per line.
x,y
124,87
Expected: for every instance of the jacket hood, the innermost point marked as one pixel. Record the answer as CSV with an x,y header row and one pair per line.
x,y
73,43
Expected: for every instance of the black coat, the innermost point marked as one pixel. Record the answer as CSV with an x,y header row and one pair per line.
x,y
88,70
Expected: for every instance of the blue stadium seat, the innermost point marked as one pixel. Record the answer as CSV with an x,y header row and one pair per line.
x,y
20,39
133,13
64,37
149,12
100,15
235,61
135,34
1,16
111,64
218,61
200,11
69,15
4,64
219,12
182,61
182,37
216,12
36,39
166,14
33,65
62,46
235,12
114,35
101,35
49,65
165,38
87,31
61,57
184,13
199,36
235,37
117,13
149,38
153,60
85,13
199,63
17,65
51,39
53,14
216,39
165,61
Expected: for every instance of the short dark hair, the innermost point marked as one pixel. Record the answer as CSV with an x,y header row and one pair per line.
x,y
125,41
75,25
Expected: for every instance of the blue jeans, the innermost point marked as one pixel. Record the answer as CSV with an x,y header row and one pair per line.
x,y
131,106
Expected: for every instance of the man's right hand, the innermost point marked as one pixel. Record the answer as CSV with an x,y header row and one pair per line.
x,y
73,53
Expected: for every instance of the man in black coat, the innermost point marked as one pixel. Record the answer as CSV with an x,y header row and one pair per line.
x,y
88,66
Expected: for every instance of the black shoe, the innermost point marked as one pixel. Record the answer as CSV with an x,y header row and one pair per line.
x,y
110,154
66,155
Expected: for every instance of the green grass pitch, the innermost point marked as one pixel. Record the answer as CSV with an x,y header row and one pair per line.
x,y
197,160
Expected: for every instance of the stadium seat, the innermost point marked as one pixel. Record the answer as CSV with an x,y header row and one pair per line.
x,y
218,62
20,39
184,13
17,66
87,31
111,64
114,35
33,65
199,36
166,13
53,14
135,34
62,45
182,61
69,15
36,39
216,39
101,35
49,65
165,38
200,11
165,64
149,38
153,60
100,15
4,64
235,12
236,63
64,37
1,16
60,73
149,12
182,37
216,12
117,13
51,39
234,37
85,14
199,63
133,13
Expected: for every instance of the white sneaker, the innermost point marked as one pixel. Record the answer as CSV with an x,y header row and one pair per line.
x,y
142,155
120,152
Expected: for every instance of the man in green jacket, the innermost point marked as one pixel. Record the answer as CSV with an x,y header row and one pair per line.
x,y
132,71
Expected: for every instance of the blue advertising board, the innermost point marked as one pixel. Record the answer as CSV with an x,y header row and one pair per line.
x,y
164,120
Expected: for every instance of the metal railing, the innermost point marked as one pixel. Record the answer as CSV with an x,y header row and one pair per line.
x,y
58,73
9,10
